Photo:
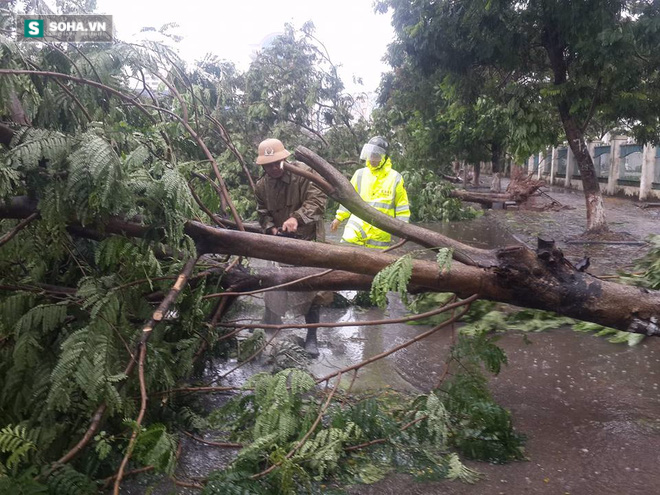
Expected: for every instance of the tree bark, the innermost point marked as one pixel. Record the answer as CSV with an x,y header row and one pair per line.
x,y
486,199
495,158
519,190
596,220
555,48
542,280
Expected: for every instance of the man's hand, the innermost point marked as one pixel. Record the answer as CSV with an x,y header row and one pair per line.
x,y
272,231
291,225
334,225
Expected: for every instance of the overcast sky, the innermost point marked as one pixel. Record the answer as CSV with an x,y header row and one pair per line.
x,y
354,35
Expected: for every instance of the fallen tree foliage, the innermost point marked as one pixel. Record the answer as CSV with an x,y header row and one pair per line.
x,y
112,262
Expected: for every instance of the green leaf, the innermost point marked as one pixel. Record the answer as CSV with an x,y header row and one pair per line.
x,y
444,259
394,277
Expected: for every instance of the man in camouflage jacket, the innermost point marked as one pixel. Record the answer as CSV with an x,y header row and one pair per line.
x,y
290,204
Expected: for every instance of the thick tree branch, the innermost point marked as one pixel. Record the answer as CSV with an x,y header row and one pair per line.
x,y
346,195
318,180
540,279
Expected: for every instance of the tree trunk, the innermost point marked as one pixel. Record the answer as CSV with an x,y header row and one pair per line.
x,y
519,190
486,199
554,46
495,158
596,221
540,279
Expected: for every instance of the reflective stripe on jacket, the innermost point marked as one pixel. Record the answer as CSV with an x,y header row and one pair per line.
x,y
382,189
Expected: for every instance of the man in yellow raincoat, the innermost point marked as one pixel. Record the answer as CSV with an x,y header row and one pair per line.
x,y
379,186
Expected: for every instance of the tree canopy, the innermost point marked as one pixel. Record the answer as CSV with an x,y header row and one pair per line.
x,y
544,64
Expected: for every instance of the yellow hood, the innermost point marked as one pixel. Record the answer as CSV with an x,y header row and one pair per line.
x,y
383,167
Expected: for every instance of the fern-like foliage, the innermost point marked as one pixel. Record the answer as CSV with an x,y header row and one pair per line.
x,y
26,373
32,147
369,416
85,370
44,317
534,320
648,265
156,447
99,298
433,421
96,177
67,481
247,347
444,258
176,200
279,398
16,443
394,277
481,429
126,258
22,485
322,453
457,470
613,335
291,477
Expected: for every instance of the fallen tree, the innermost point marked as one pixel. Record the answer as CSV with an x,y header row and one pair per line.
x,y
541,279
110,270
520,189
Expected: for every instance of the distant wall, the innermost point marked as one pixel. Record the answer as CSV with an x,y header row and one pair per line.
x,y
622,167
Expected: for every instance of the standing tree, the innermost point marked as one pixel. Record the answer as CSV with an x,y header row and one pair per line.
x,y
293,91
581,58
436,120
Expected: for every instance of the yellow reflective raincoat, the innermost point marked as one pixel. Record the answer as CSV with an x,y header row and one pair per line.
x,y
383,189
